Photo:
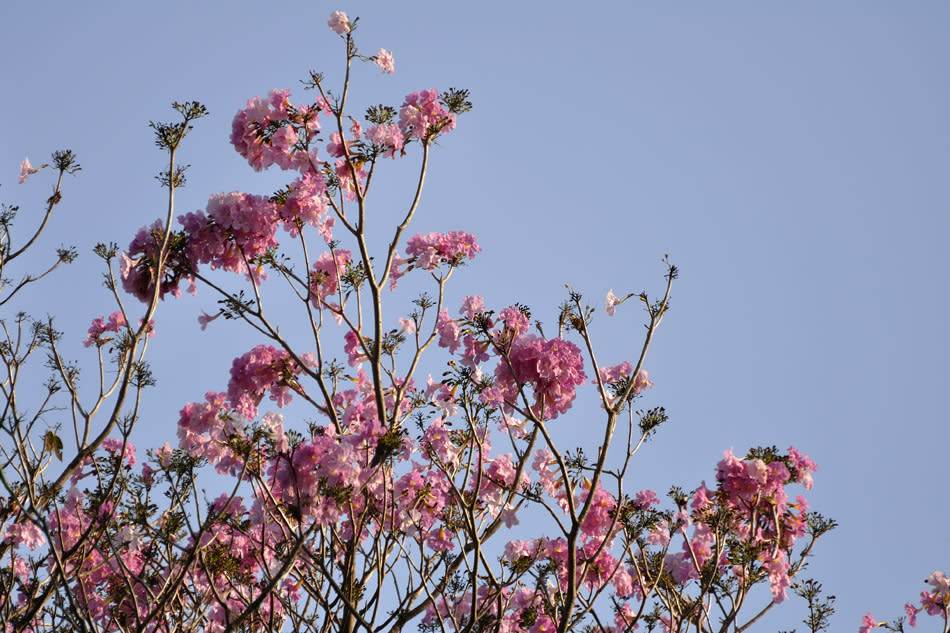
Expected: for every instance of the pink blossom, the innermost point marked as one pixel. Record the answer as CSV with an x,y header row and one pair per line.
x,y
339,23
441,540
265,133
472,305
432,249
614,373
867,623
384,59
553,368
422,115
544,624
27,170
645,498
344,173
779,582
353,348
305,204
612,302
911,612
516,324
474,351
407,325
387,137
138,266
260,370
803,467
449,335
642,381
27,534
326,275
204,319
115,446
100,326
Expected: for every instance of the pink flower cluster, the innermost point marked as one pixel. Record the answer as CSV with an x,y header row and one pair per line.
x,y
386,136
273,132
384,59
428,251
306,203
935,602
552,368
422,116
326,274
139,265
100,326
238,227
260,370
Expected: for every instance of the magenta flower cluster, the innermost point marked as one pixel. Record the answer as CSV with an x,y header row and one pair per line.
x,y
552,368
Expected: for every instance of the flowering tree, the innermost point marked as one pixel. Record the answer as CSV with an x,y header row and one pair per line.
x,y
445,503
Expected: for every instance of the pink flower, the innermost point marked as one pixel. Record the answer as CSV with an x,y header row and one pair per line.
x,y
449,335
28,534
264,134
408,325
553,368
27,170
260,370
353,348
939,581
422,115
867,623
432,249
100,326
544,624
205,319
612,302
339,23
646,498
384,59
441,540
326,275
779,582
472,305
386,136
911,614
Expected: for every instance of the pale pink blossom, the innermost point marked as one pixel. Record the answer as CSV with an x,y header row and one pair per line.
x,y
472,305
384,59
612,302
27,170
339,23
867,623
408,325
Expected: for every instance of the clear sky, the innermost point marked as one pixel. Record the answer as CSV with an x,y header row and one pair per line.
x,y
792,158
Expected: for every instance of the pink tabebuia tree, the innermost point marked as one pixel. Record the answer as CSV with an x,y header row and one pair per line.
x,y
440,504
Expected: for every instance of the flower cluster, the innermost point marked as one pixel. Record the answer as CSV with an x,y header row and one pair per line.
x,y
422,115
140,263
260,370
552,368
385,480
428,251
935,602
326,274
273,132
237,229
100,326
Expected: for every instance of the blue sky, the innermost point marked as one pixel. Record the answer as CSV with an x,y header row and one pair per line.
x,y
792,159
